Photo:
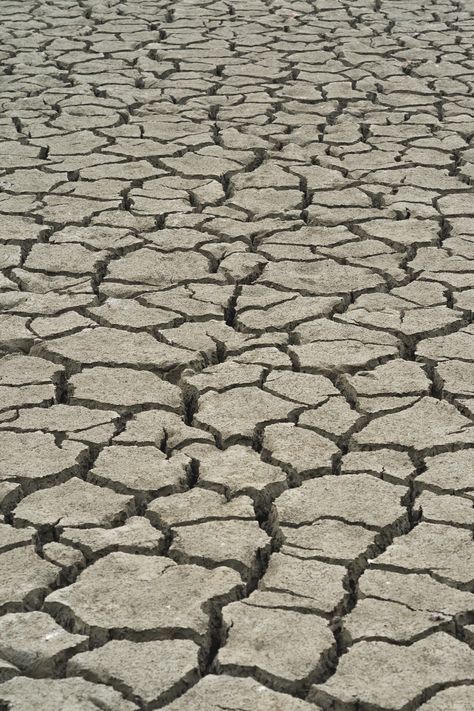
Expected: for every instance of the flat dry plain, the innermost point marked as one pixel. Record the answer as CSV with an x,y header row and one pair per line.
x,y
237,363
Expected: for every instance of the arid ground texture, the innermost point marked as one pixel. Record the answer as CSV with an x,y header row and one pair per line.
x,y
236,355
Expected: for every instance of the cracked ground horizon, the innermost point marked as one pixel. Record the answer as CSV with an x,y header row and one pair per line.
x,y
236,355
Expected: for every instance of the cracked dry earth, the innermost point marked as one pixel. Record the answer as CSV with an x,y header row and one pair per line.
x,y
237,363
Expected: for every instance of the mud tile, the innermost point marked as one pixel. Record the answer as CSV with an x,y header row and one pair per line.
x,y
400,674
133,667
171,596
36,644
23,693
251,643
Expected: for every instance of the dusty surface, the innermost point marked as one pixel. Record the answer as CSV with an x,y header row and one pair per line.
x,y
236,355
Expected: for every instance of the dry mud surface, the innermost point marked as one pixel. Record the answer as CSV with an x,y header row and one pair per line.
x,y
237,363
